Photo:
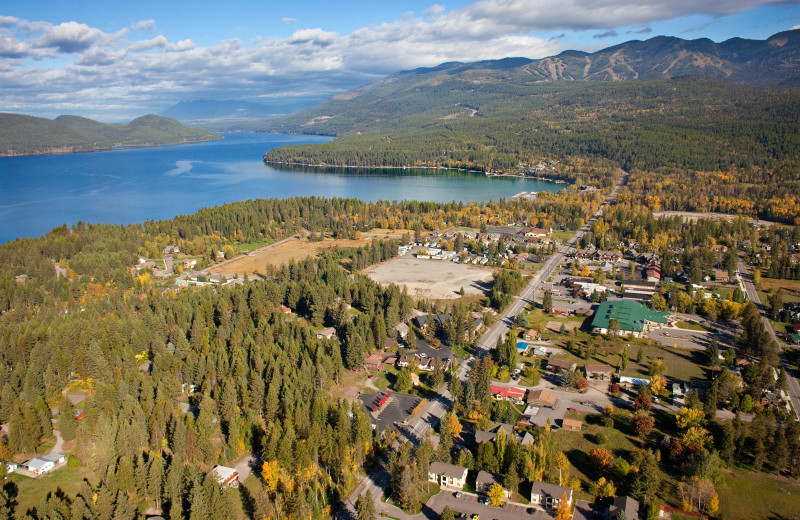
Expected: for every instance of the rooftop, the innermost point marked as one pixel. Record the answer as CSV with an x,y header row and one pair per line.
x,y
449,470
631,316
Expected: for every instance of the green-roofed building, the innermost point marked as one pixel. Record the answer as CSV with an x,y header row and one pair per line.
x,y
634,318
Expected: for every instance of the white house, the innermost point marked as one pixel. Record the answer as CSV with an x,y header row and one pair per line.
x,y
226,476
45,463
448,476
549,496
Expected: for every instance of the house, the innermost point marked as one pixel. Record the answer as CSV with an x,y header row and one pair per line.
x,y
571,424
485,480
390,344
538,232
402,331
653,273
326,333
509,393
226,476
285,309
45,463
561,312
721,276
599,372
632,318
549,496
542,398
439,321
557,365
39,466
626,505
403,361
630,382
482,436
448,476
531,335
374,362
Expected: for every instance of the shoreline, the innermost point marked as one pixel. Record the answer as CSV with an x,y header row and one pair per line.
x,y
556,180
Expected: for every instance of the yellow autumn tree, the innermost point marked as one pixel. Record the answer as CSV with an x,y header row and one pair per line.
x,y
563,512
454,423
657,384
270,472
496,495
690,417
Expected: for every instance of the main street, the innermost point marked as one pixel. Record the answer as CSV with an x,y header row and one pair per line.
x,y
432,412
792,386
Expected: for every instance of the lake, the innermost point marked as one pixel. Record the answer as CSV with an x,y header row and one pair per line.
x,y
132,185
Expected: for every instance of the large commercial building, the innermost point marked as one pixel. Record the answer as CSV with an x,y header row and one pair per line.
x,y
632,318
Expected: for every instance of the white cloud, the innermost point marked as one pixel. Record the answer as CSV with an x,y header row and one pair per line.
x,y
147,26
434,10
795,27
83,69
72,37
288,21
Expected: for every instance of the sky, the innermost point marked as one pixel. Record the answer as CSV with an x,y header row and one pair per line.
x,y
114,61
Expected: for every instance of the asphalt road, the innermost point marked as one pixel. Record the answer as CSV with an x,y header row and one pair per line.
x,y
793,388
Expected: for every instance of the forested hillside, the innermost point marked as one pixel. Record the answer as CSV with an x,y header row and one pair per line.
x,y
26,135
733,140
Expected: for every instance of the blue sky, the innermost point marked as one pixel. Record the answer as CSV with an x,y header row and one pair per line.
x,y
118,61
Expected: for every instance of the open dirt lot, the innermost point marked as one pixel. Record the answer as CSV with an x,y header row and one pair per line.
x,y
295,248
434,279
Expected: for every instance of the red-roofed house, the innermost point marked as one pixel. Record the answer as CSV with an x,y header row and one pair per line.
x,y
508,392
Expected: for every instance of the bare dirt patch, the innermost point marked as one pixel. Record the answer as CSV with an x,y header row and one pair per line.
x,y
293,249
433,279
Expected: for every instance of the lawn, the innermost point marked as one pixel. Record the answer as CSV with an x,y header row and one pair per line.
x,y
246,248
32,490
692,325
681,364
748,495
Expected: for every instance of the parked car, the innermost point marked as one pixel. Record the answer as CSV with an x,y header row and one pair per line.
x,y
475,517
572,409
483,500
587,403
457,494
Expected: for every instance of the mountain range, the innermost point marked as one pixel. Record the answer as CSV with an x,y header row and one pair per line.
x,y
211,113
27,135
774,62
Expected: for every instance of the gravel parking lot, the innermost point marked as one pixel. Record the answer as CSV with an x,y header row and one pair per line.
x,y
435,279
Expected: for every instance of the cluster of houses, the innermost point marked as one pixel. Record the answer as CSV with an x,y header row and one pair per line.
x,y
544,496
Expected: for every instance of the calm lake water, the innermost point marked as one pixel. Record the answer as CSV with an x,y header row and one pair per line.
x,y
124,186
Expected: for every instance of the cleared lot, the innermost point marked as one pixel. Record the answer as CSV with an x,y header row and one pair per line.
x,y
434,279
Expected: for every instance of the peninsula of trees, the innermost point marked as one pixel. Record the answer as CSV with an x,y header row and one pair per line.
x,y
26,135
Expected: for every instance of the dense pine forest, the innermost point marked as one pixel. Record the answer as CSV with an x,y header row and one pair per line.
x,y
177,382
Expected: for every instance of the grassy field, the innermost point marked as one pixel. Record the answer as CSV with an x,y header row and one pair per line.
x,y
747,495
31,491
681,364
791,288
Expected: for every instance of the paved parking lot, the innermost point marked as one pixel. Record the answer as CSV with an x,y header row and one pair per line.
x,y
468,504
689,339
